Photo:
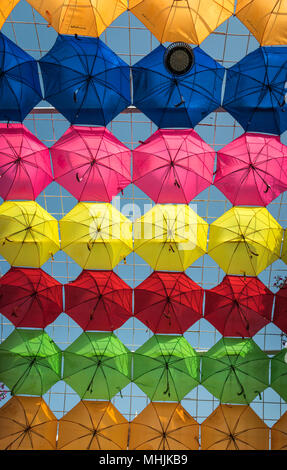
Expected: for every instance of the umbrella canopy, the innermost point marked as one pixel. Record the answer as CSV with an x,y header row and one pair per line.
x,y
170,237
280,309
93,425
91,163
25,167
284,247
265,20
5,9
168,302
173,166
166,368
235,370
96,235
252,170
86,17
29,234
189,21
234,427
85,80
97,365
20,89
30,298
245,240
239,306
30,362
98,300
279,433
27,423
255,92
179,96
278,379
164,426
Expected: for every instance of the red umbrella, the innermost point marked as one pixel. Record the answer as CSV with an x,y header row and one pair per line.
x,y
168,302
280,309
30,297
98,300
239,306
173,165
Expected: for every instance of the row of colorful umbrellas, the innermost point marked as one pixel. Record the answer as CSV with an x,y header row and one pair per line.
x,y
171,166
97,365
27,423
89,84
190,21
244,240
166,302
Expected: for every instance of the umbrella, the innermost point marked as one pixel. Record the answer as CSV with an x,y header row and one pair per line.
x,y
245,240
279,433
25,167
98,300
187,20
265,20
96,235
30,298
97,365
5,9
166,368
27,423
234,427
173,166
85,80
29,234
164,426
280,309
172,93
284,247
235,370
20,89
93,425
278,379
91,163
239,306
30,362
168,302
252,170
89,18
170,237
255,91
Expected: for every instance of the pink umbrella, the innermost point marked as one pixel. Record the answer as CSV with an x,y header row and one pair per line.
x,y
252,170
91,163
173,165
25,167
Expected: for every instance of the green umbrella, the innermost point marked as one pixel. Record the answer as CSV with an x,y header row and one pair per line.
x,y
166,368
235,370
279,373
30,362
97,365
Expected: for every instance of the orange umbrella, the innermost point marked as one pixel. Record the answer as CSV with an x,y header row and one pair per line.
x,y
164,426
27,423
234,427
93,425
279,434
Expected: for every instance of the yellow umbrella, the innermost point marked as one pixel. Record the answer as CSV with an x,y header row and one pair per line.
x,y
170,237
83,17
28,233
284,248
190,21
267,20
245,240
96,235
6,7
279,433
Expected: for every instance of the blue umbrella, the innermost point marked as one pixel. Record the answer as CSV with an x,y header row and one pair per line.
x,y
177,86
85,80
20,87
255,93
